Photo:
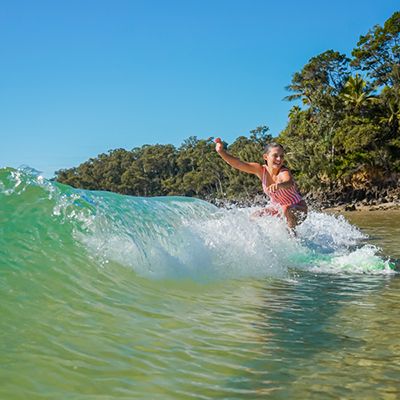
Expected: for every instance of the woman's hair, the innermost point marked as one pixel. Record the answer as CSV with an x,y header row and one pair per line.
x,y
271,145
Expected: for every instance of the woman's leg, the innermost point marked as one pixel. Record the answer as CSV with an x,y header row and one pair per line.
x,y
295,214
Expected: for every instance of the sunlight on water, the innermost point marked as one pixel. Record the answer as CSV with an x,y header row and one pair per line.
x,y
108,296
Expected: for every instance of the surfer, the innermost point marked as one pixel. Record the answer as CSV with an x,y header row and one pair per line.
x,y
277,182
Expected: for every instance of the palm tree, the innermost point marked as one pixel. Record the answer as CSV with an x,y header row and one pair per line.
x,y
356,93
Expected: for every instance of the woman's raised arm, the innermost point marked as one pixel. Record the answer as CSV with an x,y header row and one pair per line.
x,y
249,167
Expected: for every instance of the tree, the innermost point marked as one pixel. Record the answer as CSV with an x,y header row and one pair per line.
x,y
356,93
378,53
320,79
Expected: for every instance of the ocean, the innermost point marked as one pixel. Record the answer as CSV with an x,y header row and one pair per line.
x,y
105,296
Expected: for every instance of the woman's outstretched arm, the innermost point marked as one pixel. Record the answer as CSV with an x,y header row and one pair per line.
x,y
250,168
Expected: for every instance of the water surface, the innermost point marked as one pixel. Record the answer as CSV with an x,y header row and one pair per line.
x,y
112,297
383,228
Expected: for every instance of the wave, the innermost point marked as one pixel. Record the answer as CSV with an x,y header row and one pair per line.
x,y
169,237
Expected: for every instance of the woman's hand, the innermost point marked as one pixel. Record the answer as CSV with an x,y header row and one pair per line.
x,y
219,145
273,188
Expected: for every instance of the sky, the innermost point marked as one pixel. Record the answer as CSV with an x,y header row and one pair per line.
x,y
81,77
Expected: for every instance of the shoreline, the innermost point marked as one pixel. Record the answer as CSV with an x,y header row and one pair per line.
x,y
313,204
390,206
372,198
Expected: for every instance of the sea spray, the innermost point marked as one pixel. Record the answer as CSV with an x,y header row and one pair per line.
x,y
170,237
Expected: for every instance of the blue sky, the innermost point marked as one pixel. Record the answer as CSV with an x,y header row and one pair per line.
x,y
78,78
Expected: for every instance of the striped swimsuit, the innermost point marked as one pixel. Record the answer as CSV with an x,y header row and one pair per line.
x,y
283,197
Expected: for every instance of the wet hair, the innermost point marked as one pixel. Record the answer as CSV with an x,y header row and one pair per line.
x,y
272,145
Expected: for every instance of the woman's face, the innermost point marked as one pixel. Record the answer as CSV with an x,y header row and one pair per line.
x,y
274,157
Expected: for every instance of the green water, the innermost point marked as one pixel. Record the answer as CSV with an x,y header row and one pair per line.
x,y
93,307
383,228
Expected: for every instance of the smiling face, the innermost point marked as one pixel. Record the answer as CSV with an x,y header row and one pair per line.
x,y
274,157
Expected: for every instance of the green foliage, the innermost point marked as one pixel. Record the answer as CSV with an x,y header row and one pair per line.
x,y
194,169
378,53
345,127
356,94
320,79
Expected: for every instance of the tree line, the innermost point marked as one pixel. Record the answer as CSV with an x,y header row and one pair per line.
x,y
344,129
193,169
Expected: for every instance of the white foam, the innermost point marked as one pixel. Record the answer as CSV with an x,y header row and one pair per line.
x,y
364,260
228,244
328,233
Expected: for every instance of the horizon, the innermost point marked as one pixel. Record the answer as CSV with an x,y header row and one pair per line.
x,y
80,79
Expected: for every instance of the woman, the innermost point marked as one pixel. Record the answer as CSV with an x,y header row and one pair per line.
x,y
277,182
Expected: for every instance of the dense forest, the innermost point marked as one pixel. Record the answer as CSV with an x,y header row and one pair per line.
x,y
344,131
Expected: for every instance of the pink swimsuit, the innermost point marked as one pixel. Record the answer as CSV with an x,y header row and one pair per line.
x,y
283,197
